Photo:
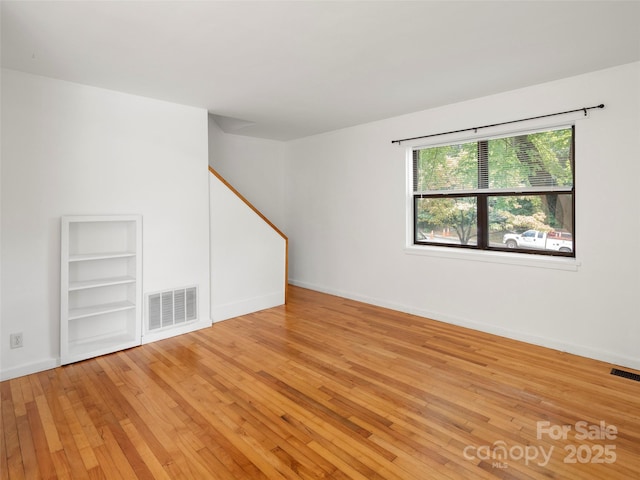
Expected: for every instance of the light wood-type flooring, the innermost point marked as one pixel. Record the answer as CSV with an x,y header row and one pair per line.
x,y
324,387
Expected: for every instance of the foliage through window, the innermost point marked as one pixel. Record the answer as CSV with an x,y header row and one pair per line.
x,y
514,193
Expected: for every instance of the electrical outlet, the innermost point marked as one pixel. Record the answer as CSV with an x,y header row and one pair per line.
x,y
15,340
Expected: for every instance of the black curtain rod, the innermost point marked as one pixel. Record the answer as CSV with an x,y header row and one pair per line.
x,y
475,129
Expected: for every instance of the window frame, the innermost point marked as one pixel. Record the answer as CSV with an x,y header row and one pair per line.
x,y
482,197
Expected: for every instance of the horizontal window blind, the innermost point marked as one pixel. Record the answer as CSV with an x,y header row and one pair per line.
x,y
538,162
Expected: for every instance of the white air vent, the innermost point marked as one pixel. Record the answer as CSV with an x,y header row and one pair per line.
x,y
172,308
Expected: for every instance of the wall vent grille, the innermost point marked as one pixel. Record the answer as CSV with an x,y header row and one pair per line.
x,y
172,308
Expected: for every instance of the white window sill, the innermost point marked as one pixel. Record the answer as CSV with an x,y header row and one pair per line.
x,y
521,259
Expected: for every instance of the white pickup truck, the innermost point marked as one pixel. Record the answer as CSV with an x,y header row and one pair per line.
x,y
557,241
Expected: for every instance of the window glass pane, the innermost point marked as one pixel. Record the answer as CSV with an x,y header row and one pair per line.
x,y
542,222
534,160
517,189
452,167
447,220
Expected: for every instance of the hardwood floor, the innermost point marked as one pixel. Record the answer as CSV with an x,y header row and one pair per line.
x,y
324,388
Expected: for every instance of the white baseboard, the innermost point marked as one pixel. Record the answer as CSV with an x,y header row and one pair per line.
x,y
246,306
150,337
28,369
555,344
48,364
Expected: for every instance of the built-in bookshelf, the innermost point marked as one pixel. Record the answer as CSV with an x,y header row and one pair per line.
x,y
101,287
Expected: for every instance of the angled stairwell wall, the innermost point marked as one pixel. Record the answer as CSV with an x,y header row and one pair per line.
x,y
248,255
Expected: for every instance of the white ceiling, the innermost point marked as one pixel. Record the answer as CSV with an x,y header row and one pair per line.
x,y
284,70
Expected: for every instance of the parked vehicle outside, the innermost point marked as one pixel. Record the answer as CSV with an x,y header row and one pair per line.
x,y
536,239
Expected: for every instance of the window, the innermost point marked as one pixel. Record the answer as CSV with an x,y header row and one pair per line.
x,y
511,193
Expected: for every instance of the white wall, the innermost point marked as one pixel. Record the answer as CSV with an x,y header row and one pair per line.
x,y
248,257
346,214
74,149
255,168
